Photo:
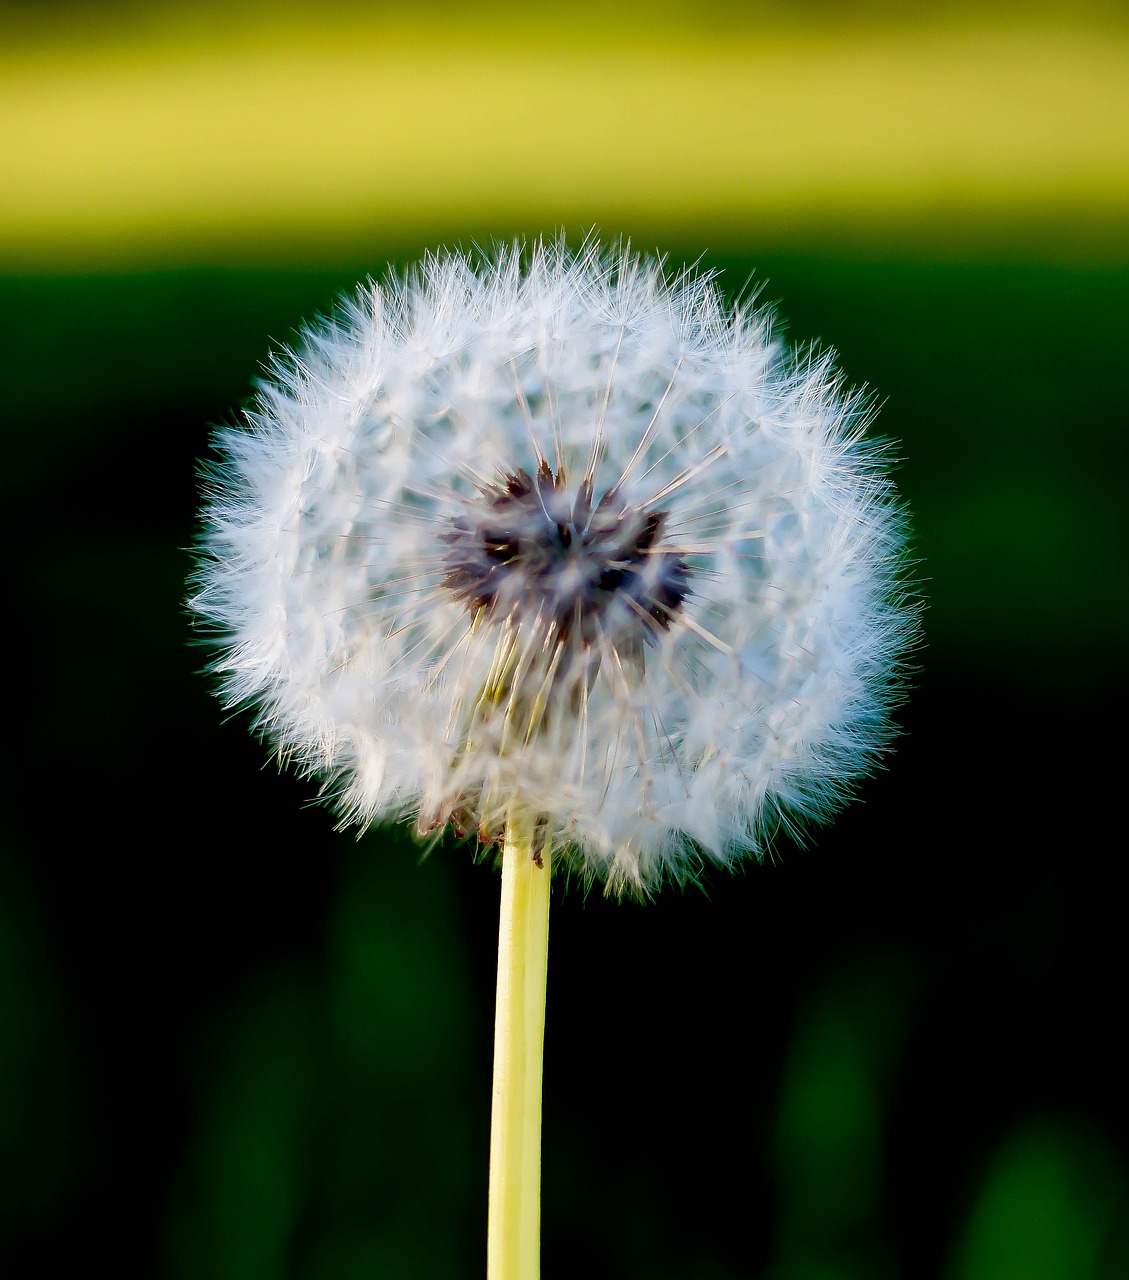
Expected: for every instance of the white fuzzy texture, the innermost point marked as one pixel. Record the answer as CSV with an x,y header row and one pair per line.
x,y
323,560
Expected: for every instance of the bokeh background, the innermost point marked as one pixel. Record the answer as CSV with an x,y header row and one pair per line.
x,y
236,1044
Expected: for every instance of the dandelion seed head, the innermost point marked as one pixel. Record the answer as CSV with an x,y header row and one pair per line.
x,y
556,529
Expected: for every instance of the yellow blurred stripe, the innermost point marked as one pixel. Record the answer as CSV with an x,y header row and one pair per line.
x,y
147,146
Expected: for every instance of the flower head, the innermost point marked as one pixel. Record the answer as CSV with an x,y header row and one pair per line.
x,y
555,529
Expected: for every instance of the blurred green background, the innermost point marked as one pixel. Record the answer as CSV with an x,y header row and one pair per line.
x,y
237,1044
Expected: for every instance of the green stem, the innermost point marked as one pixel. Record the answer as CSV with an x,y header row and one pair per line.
x,y
513,1249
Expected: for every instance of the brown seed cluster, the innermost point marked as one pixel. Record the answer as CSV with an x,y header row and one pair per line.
x,y
527,549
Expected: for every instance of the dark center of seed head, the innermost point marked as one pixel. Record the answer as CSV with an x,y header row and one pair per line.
x,y
528,549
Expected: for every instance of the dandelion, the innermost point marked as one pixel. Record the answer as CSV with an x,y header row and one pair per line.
x,y
562,551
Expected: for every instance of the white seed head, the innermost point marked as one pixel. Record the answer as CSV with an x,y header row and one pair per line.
x,y
557,530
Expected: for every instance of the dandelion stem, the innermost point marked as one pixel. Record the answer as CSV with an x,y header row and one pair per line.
x,y
514,1225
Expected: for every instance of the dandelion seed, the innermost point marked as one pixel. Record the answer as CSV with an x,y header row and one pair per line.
x,y
652,533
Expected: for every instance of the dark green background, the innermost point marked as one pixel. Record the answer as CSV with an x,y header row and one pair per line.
x,y
237,1044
